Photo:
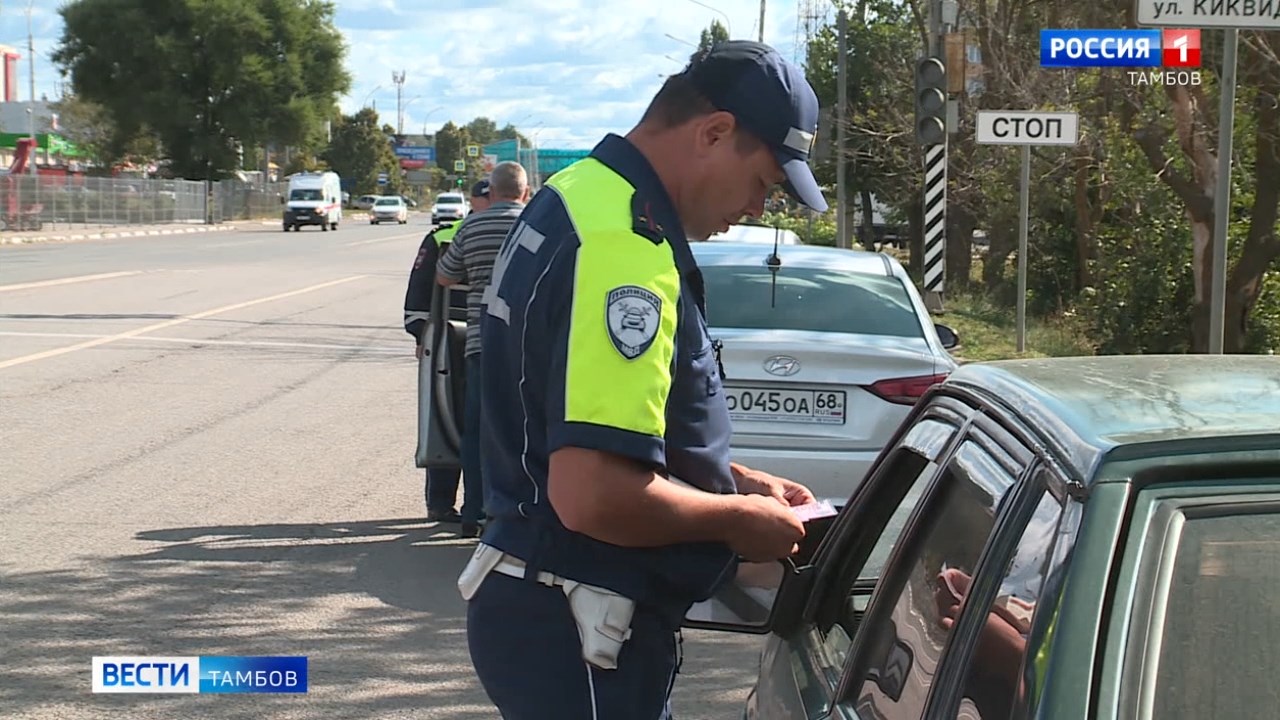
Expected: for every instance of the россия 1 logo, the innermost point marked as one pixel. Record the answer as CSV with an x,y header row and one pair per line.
x,y
1176,52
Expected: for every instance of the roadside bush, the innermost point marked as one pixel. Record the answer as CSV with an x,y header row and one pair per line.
x,y
823,227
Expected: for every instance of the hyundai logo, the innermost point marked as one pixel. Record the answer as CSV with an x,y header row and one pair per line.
x,y
783,365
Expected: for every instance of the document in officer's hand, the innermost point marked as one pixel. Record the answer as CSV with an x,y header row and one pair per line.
x,y
814,510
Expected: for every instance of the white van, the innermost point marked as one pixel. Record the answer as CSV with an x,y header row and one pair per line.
x,y
314,199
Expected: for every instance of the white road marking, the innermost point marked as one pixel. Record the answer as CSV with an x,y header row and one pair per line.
x,y
68,280
399,350
168,323
385,239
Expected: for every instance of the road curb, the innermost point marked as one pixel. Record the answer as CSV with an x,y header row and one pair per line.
x,y
113,234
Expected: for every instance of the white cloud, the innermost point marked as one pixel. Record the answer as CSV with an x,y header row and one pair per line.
x,y
579,68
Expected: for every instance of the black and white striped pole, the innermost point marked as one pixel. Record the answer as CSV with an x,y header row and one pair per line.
x,y
931,132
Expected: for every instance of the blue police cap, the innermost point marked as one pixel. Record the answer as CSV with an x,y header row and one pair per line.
x,y
769,97
480,189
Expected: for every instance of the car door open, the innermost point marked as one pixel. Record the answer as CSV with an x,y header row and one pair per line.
x,y
442,381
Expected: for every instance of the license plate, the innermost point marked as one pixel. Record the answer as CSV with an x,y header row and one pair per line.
x,y
824,407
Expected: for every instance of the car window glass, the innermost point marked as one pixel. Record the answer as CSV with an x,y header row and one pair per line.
x,y
925,588
994,681
1218,654
839,638
911,467
802,298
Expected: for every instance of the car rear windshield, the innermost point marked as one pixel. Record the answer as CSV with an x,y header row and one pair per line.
x,y
819,300
449,200
388,201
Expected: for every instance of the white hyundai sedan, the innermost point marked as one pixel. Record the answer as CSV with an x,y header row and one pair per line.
x,y
824,352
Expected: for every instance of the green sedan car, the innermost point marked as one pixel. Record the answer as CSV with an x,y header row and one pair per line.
x,y
1062,539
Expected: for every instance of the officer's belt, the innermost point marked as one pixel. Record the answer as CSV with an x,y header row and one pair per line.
x,y
515,567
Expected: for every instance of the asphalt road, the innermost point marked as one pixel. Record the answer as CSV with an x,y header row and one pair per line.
x,y
206,449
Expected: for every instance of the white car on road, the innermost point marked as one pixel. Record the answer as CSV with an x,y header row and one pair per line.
x,y
389,208
449,206
824,352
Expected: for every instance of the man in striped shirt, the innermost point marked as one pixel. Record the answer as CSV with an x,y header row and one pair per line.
x,y
469,261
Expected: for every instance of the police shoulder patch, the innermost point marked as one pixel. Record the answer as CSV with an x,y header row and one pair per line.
x,y
632,314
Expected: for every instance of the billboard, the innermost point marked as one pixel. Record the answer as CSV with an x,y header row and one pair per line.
x,y
410,152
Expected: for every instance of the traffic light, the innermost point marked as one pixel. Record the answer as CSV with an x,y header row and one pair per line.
x,y
931,101
459,182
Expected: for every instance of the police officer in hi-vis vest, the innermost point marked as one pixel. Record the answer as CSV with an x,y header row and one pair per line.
x,y
605,432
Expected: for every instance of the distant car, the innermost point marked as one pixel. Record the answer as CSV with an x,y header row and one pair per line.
x,y
824,353
389,208
449,206
365,202
409,201
1058,539
757,234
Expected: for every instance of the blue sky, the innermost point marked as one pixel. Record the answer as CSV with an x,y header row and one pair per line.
x,y
563,71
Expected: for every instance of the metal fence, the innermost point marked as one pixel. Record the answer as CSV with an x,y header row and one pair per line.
x,y
235,200
42,202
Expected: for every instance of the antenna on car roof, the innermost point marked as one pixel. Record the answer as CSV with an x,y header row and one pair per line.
x,y
774,262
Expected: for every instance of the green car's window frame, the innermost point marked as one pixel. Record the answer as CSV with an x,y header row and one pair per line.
x,y
912,461
981,464
1041,531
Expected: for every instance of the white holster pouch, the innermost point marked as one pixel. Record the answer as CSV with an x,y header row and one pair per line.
x,y
603,616
604,622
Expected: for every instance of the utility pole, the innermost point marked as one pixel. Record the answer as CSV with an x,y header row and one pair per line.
x,y
841,118
31,115
31,52
398,79
762,20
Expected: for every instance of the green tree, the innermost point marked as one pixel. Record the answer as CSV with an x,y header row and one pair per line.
x,y
360,151
207,75
451,145
509,132
711,35
483,131
879,145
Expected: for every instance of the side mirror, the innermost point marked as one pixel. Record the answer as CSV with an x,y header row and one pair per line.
x,y
949,338
764,597
747,603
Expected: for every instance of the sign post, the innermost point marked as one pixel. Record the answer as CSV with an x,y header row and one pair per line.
x,y
1231,16
1026,128
459,165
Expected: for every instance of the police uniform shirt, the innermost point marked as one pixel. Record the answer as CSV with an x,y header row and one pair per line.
x,y
594,337
422,280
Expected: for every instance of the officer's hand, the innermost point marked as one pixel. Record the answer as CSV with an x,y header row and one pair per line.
x,y
757,482
419,351
766,530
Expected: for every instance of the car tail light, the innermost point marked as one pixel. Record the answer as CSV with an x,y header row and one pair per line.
x,y
907,390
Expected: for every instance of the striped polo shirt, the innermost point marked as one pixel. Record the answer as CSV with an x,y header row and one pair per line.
x,y
469,259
